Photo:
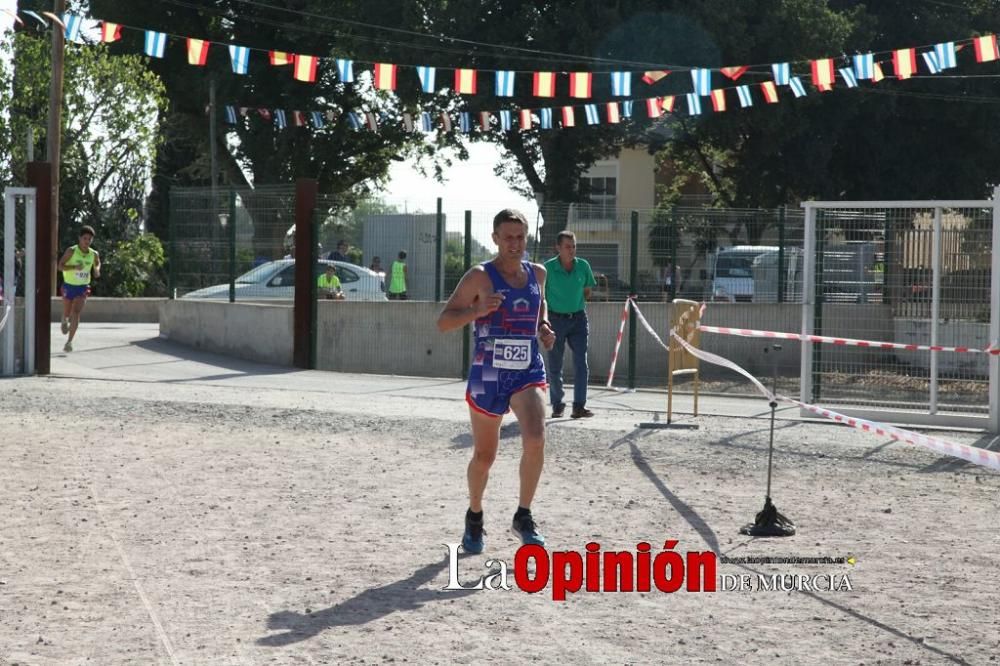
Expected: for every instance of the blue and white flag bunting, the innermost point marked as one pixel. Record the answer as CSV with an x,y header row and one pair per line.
x,y
545,118
694,104
425,122
317,119
627,108
621,84
506,120
864,66
702,79
240,55
465,122
427,76
156,44
797,87
279,118
592,117
932,62
946,57
505,84
353,120
231,117
848,75
782,73
35,16
345,70
744,94
73,25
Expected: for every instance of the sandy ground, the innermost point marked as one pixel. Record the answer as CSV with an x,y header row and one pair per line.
x,y
162,507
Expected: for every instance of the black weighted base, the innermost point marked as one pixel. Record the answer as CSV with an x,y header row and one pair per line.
x,y
769,523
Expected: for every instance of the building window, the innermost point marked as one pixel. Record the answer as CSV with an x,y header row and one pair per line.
x,y
600,198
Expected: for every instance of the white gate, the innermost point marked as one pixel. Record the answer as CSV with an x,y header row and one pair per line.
x,y
917,272
18,314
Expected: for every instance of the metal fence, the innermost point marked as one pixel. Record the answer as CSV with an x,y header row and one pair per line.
x,y
16,322
919,273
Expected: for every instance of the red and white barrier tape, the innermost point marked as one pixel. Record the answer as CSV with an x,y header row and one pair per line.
x,y
618,342
850,342
971,454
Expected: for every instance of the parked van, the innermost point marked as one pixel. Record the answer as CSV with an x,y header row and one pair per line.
x,y
766,276
732,272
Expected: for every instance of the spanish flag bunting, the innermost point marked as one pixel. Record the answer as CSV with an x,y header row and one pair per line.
x,y
568,116
465,81
613,116
823,73
544,84
734,73
298,119
719,100
986,48
667,103
904,61
197,51
110,32
877,74
305,68
525,118
580,84
385,76
279,58
655,75
770,91
653,109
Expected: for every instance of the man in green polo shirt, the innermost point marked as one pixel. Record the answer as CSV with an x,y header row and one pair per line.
x,y
567,289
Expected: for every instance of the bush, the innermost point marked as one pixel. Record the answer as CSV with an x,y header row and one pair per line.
x,y
134,268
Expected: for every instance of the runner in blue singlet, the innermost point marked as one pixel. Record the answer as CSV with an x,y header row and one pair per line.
x,y
504,298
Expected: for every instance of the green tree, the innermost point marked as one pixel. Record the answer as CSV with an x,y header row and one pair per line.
x,y
111,109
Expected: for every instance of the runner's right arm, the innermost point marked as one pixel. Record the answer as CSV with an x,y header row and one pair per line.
x,y
66,257
473,298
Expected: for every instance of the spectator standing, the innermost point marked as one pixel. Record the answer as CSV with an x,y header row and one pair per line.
x,y
397,278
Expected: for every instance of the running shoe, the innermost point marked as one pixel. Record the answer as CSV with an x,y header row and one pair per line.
x,y
68,347
472,540
526,530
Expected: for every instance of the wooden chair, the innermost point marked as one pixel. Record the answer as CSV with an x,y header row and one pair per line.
x,y
684,319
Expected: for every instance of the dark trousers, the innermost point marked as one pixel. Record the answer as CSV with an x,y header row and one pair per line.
x,y
574,331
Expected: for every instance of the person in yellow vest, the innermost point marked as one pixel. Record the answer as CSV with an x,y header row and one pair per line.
x,y
329,284
79,265
397,278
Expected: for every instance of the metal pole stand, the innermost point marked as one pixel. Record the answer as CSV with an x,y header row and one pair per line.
x,y
769,522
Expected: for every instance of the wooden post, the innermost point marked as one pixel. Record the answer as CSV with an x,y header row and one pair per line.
x,y
305,282
40,177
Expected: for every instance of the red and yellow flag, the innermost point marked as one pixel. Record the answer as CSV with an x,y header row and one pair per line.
x,y
110,32
653,108
544,84
613,116
986,48
770,92
654,75
385,76
580,84
197,51
734,72
877,74
823,73
282,58
525,118
904,61
305,68
465,81
719,100
568,116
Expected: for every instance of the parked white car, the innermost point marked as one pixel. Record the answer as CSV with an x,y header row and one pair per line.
x,y
276,280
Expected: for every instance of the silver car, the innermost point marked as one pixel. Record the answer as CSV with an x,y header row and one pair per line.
x,y
276,280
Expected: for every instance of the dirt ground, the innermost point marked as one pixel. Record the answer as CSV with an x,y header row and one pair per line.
x,y
147,525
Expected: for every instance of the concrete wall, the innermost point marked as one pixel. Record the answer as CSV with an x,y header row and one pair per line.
x,y
399,338
120,310
252,331
402,337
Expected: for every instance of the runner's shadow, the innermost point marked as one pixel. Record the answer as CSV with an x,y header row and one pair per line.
x,y
369,605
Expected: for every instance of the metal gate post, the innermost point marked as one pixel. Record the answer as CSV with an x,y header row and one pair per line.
x,y
935,306
994,422
808,303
